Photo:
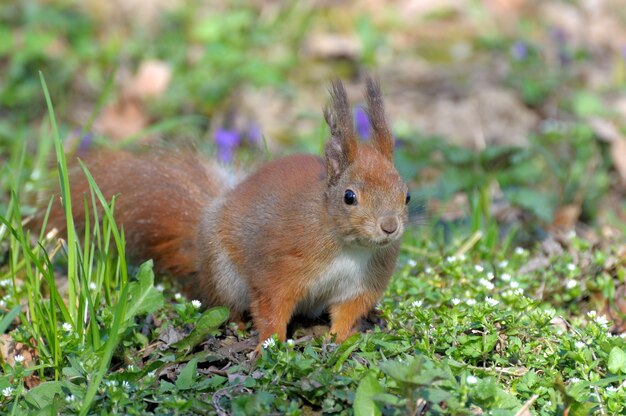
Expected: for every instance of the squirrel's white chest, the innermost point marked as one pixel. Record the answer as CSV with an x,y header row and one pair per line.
x,y
343,278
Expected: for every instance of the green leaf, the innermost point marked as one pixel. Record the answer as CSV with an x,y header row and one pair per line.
x,y
210,320
43,394
143,297
617,361
364,403
587,104
8,318
185,378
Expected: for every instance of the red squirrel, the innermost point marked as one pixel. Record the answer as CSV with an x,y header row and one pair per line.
x,y
302,234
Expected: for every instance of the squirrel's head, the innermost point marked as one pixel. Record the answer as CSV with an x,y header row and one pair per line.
x,y
366,198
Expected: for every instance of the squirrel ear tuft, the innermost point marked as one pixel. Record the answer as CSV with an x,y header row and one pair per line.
x,y
341,148
382,137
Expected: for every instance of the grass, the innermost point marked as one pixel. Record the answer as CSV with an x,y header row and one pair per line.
x,y
481,317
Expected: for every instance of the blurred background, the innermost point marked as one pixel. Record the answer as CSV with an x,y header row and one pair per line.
x,y
508,114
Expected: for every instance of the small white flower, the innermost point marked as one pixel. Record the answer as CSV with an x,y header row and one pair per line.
x,y
579,345
411,263
3,304
602,321
196,303
67,327
519,251
479,268
19,358
151,374
451,259
571,267
471,380
160,287
92,286
70,398
111,383
5,282
574,380
491,301
514,284
130,367
490,275
428,270
611,389
592,314
519,291
7,391
505,277
417,303
462,257
503,264
269,343
178,296
291,342
125,385
456,301
470,302
486,283
571,284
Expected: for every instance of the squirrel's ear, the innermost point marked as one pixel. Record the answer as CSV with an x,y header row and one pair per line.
x,y
341,148
382,137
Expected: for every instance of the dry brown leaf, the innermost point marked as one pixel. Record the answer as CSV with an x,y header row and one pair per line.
x,y
618,154
122,119
9,348
332,46
605,129
151,79
565,217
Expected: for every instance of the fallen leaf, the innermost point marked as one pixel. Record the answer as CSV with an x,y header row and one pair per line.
x,y
124,118
565,217
9,348
332,46
605,129
151,80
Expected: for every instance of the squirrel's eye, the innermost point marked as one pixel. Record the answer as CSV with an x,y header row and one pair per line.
x,y
349,197
408,198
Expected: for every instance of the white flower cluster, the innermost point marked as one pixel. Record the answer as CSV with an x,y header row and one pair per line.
x,y
487,284
491,301
599,319
269,343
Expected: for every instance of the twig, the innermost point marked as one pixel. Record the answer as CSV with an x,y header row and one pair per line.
x,y
526,408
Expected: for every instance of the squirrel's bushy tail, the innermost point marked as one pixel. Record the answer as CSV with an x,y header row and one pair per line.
x,y
160,199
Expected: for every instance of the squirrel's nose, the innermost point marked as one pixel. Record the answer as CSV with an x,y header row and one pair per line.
x,y
389,225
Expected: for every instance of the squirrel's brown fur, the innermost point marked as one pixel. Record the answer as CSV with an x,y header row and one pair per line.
x,y
283,240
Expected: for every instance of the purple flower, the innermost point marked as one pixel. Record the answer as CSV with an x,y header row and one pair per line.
x,y
363,127
226,141
519,50
255,136
558,36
